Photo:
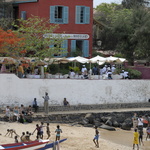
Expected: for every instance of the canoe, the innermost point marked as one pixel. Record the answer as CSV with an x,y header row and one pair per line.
x,y
16,144
31,146
51,145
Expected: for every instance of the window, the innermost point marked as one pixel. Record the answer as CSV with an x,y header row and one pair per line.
x,y
61,49
59,14
23,15
82,15
80,45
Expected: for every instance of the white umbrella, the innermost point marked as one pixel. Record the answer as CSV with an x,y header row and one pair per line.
x,y
116,59
97,59
79,59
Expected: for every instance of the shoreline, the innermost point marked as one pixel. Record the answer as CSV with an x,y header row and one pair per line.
x,y
78,137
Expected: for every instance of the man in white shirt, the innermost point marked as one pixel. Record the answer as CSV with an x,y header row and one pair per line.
x,y
83,69
140,123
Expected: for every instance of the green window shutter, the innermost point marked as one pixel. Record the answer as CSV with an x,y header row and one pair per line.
x,y
52,14
85,48
65,48
78,11
73,45
65,14
23,15
87,15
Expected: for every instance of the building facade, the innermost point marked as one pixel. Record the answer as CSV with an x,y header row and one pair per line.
x,y
75,19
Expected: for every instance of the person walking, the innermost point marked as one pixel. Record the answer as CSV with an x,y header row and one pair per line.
x,y
95,140
46,105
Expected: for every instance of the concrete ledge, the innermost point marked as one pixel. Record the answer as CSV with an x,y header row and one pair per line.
x,y
95,107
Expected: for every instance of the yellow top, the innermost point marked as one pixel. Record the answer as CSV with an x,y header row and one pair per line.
x,y
136,138
20,69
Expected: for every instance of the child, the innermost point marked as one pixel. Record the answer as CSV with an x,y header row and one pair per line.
x,y
148,132
10,132
41,130
23,138
95,140
16,140
48,130
141,136
38,131
58,131
136,139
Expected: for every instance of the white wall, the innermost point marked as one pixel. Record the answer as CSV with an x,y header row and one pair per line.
x,y
15,91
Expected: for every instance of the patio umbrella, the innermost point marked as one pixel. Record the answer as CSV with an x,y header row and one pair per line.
x,y
79,59
97,59
115,59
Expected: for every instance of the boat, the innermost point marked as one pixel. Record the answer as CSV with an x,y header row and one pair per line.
x,y
17,144
24,146
51,145
34,145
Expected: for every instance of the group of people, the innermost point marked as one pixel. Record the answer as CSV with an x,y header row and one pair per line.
x,y
25,137
18,114
138,124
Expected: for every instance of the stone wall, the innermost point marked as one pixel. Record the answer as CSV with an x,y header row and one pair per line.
x,y
15,91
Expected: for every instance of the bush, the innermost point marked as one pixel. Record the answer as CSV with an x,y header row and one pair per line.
x,y
133,73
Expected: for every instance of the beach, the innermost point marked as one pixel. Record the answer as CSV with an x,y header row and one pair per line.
x,y
78,137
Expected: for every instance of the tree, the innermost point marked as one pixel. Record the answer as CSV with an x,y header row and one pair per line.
x,y
11,44
134,3
6,14
39,40
131,27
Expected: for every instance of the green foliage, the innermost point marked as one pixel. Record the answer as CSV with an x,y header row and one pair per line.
x,y
38,38
127,30
6,17
133,73
75,69
134,3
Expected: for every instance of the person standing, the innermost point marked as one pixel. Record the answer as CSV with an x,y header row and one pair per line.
x,y
58,131
20,71
35,105
46,105
135,121
136,139
48,131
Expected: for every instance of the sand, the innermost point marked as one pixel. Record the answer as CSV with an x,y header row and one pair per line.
x,y
78,137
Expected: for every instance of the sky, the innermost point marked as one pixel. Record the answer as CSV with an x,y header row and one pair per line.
x,y
98,2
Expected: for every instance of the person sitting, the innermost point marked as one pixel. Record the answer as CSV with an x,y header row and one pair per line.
x,y
16,113
109,74
72,74
29,111
35,105
65,102
22,110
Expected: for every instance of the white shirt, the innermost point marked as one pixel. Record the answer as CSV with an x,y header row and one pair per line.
x,y
140,121
83,69
72,74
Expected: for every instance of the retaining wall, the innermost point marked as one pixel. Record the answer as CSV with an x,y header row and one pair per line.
x,y
15,91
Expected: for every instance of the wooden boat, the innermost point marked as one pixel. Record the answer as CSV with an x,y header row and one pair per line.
x,y
24,146
34,145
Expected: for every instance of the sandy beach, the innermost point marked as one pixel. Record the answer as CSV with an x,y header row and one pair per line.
x,y
78,137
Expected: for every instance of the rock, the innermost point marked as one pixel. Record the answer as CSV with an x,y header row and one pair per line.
x,y
107,127
104,118
126,126
108,122
115,124
90,118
